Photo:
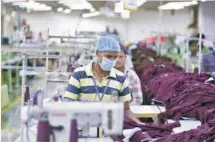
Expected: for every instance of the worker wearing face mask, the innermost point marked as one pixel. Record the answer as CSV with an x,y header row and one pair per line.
x,y
131,76
99,81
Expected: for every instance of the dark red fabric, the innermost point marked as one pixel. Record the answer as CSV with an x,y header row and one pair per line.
x,y
156,70
207,116
203,133
165,86
148,130
139,136
191,103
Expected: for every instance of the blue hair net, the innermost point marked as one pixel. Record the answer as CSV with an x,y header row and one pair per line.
x,y
114,37
107,43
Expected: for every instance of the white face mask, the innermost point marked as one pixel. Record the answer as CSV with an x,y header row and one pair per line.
x,y
106,64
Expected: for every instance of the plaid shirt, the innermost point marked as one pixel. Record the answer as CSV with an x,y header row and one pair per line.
x,y
134,83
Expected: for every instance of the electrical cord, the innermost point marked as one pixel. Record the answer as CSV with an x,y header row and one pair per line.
x,y
28,120
57,128
157,104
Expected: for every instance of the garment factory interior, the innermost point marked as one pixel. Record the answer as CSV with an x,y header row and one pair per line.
x,y
107,71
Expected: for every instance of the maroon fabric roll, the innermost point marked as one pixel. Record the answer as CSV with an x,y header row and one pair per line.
x,y
44,130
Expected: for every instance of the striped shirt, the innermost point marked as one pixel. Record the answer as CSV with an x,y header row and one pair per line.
x,y
82,87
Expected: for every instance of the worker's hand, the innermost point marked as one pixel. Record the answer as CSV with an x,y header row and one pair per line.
x,y
141,123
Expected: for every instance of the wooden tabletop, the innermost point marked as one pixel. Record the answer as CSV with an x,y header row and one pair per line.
x,y
147,111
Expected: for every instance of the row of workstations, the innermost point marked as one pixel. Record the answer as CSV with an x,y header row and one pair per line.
x,y
144,111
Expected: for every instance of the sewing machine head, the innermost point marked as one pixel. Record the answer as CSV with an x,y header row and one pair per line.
x,y
108,116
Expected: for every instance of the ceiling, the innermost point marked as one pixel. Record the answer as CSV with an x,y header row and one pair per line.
x,y
148,5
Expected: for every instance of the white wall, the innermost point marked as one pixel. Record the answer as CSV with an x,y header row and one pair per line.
x,y
60,24
8,21
141,23
207,18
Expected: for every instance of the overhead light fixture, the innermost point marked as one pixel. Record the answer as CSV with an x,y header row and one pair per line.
x,y
76,4
60,9
92,14
10,1
203,0
125,14
67,11
177,5
33,6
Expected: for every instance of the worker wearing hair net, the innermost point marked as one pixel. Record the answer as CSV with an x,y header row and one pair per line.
x,y
99,81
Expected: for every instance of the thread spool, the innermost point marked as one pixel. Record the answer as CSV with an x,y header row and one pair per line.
x,y
55,98
73,130
27,93
35,100
43,132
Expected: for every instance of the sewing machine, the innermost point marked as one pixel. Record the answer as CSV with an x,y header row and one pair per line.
x,y
89,116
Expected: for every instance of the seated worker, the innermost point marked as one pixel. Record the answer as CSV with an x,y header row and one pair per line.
x,y
99,81
131,76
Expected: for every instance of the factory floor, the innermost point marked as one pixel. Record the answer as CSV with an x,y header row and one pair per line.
x,y
10,116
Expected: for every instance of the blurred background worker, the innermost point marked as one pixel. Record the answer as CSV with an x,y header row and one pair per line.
x,y
190,61
99,81
131,76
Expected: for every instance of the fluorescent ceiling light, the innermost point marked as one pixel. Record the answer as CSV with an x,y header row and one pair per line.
x,y
67,11
33,6
177,5
125,14
87,15
76,4
60,9
10,1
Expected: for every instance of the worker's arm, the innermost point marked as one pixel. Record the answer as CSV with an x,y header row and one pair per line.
x,y
129,114
73,89
125,96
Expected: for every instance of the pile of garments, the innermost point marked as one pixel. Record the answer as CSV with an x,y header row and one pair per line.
x,y
164,133
184,95
191,102
150,72
145,132
204,133
167,85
